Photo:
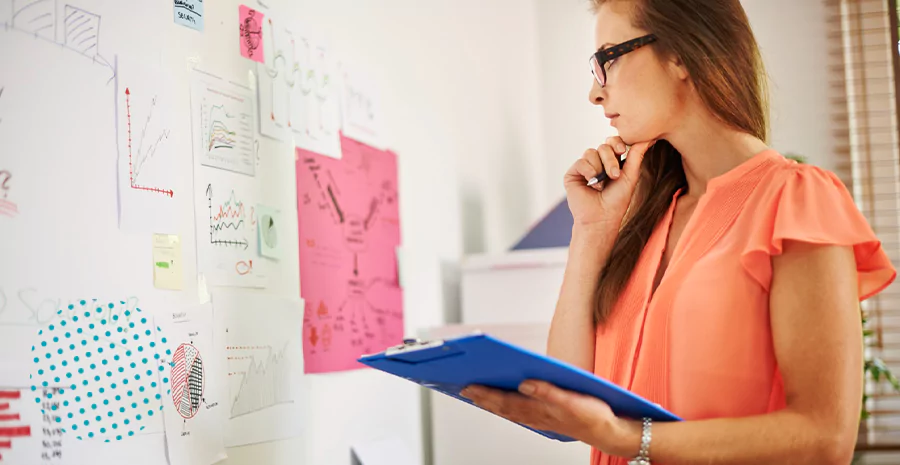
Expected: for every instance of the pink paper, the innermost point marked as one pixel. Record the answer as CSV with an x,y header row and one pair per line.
x,y
349,224
251,33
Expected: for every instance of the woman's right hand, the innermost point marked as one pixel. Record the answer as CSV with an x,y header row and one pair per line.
x,y
604,204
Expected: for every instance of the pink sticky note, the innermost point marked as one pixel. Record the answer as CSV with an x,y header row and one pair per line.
x,y
349,224
251,33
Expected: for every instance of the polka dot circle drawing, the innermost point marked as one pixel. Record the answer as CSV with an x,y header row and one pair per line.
x,y
187,380
93,351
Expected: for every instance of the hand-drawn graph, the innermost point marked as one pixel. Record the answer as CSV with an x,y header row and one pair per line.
x,y
229,221
349,232
187,380
225,136
74,28
7,207
140,151
266,380
264,357
148,166
227,256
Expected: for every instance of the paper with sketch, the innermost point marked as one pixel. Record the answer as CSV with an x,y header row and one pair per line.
x,y
224,201
195,410
251,37
264,364
167,266
360,109
149,169
189,13
349,226
315,109
278,77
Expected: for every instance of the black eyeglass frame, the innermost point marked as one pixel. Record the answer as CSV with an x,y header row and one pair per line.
x,y
605,55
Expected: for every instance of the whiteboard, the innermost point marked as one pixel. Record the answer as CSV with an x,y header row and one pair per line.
x,y
97,125
65,241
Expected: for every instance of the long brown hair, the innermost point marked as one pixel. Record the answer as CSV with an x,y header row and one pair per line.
x,y
714,42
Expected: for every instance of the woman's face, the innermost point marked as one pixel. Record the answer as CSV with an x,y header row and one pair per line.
x,y
644,94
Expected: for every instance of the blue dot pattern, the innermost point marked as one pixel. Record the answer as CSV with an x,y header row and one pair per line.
x,y
102,364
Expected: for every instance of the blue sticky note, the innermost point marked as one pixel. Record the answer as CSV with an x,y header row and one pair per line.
x,y
189,13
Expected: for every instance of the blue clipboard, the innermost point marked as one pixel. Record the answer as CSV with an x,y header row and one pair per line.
x,y
448,366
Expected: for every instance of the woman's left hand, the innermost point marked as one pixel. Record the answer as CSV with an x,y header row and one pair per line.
x,y
545,407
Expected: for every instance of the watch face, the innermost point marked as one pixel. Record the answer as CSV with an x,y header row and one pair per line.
x,y
269,231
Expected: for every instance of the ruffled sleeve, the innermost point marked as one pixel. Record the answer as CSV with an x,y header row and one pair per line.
x,y
814,206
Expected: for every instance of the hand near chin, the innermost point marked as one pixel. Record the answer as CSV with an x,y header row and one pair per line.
x,y
605,203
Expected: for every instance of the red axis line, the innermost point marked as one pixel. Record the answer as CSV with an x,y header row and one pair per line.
x,y
130,167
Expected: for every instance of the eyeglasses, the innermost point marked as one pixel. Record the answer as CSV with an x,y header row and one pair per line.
x,y
603,58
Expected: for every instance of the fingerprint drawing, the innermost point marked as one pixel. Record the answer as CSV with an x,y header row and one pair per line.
x,y
187,380
108,361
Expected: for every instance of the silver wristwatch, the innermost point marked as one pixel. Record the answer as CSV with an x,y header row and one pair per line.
x,y
643,457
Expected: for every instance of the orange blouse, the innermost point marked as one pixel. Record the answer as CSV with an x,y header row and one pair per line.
x,y
702,346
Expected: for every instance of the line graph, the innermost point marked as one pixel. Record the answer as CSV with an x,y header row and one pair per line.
x,y
230,216
226,135
136,163
220,137
265,383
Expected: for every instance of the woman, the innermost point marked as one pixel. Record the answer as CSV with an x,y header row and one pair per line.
x,y
729,276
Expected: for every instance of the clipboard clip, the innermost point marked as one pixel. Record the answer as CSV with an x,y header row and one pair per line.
x,y
411,345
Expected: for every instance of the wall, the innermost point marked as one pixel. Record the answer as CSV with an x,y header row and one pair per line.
x,y
458,83
457,79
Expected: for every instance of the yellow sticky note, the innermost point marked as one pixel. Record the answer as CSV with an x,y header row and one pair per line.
x,y
167,270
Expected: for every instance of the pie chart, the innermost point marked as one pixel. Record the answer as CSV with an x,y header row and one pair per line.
x,y
269,231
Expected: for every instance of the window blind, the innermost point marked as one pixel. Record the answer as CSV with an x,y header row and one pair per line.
x,y
863,52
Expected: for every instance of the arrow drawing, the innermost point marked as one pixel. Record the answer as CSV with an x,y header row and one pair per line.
x,y
131,167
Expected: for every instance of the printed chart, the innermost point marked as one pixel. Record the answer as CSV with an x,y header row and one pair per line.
x,y
225,136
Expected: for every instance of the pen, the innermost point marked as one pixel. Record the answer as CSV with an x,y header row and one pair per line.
x,y
603,176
